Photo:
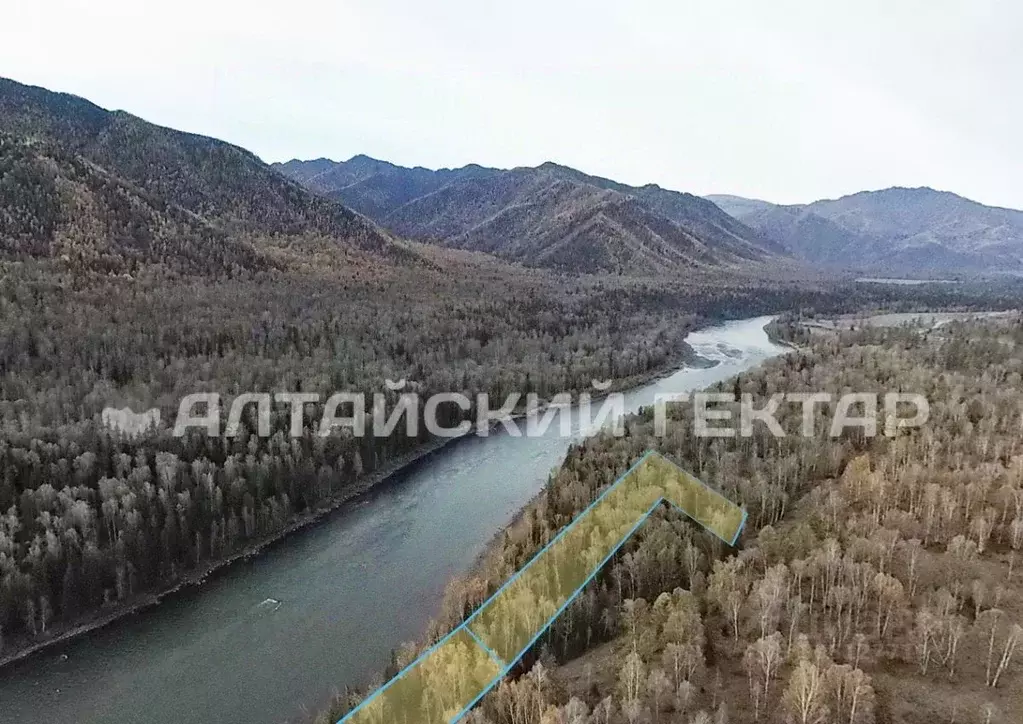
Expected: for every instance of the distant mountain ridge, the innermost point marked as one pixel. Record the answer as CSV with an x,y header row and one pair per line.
x,y
111,190
227,191
550,215
895,230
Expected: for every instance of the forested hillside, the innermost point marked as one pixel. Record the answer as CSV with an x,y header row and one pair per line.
x,y
550,216
57,205
225,186
878,579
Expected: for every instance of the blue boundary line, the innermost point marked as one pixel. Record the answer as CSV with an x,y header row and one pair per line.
x,y
465,624
401,673
509,666
742,525
562,532
561,610
497,659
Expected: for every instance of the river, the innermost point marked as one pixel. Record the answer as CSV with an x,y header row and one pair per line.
x,y
327,605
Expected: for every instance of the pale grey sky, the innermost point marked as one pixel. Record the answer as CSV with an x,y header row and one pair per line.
x,y
787,100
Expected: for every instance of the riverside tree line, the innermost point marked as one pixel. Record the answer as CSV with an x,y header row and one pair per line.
x,y
878,579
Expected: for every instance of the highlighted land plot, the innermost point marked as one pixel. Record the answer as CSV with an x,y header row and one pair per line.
x,y
436,688
444,683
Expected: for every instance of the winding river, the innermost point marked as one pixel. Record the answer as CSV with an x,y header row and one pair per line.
x,y
327,605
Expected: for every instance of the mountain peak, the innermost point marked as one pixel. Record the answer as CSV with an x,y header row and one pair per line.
x,y
361,158
908,193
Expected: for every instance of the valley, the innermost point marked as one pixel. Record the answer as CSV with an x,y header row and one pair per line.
x,y
140,265
850,597
400,543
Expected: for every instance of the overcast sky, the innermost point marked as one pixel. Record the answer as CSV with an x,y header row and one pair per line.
x,y
786,100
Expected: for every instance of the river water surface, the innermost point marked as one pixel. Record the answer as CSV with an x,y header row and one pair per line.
x,y
327,605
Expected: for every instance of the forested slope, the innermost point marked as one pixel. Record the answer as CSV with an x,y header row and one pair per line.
x,y
58,205
877,580
549,216
224,185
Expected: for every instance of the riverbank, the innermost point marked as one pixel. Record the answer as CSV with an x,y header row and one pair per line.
x,y
195,579
351,590
485,560
492,545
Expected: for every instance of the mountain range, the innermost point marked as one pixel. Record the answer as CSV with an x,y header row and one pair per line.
x,y
555,216
78,180
917,231
550,216
111,191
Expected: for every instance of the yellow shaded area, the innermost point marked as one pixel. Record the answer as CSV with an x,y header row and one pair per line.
x,y
515,616
436,688
446,680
